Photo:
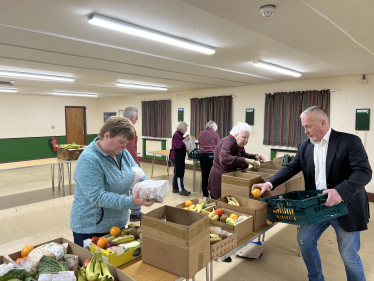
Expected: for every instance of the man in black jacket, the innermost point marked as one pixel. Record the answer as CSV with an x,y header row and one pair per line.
x,y
337,163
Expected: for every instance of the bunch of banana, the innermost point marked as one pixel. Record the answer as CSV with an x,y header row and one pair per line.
x,y
130,231
232,201
124,239
212,214
215,218
81,274
200,207
205,212
70,146
97,270
214,238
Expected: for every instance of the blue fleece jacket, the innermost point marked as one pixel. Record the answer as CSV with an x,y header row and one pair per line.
x,y
101,188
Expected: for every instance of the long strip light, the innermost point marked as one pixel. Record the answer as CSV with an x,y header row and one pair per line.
x,y
276,68
8,90
137,86
140,31
36,76
74,94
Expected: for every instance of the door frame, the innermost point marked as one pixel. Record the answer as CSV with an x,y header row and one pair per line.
x,y
84,118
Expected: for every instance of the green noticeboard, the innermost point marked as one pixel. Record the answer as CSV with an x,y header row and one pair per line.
x,y
180,114
363,119
250,116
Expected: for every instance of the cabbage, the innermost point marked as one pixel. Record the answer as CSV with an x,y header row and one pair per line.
x,y
48,265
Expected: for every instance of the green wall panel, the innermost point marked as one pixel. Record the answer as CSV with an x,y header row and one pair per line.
x,y
30,148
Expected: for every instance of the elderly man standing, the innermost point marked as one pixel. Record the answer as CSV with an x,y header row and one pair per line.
x,y
131,113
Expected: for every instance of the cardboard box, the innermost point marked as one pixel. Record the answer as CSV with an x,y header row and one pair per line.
x,y
195,202
243,228
3,260
69,154
277,161
224,246
82,254
176,240
239,184
257,209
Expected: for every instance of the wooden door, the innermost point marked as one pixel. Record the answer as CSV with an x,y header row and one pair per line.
x,y
75,119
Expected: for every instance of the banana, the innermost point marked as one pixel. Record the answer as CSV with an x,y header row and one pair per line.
x,y
192,207
214,236
124,239
215,218
81,276
111,238
212,214
106,271
214,240
90,274
235,201
83,270
205,212
97,270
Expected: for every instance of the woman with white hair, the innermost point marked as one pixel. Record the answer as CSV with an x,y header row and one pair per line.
x,y
229,155
178,156
208,139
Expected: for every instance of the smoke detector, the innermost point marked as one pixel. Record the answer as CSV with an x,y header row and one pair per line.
x,y
267,11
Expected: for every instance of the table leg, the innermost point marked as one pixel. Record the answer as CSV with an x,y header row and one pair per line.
x,y
167,163
207,272
59,176
53,177
69,175
63,180
298,247
211,270
194,171
153,163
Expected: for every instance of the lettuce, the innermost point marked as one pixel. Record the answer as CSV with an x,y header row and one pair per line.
x,y
48,265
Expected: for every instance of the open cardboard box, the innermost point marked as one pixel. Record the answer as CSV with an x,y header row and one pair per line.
x,y
69,154
239,184
176,240
224,246
257,209
82,254
196,201
3,260
243,228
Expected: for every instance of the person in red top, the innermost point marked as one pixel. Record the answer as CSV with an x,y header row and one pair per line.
x,y
131,113
208,139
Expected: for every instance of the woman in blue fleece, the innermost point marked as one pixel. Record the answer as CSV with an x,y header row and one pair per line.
x,y
103,177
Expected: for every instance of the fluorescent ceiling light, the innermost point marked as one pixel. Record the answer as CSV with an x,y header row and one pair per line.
x,y
74,94
137,86
8,90
277,68
36,76
133,29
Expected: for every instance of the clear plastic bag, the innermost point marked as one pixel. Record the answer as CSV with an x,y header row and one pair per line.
x,y
152,190
138,176
190,144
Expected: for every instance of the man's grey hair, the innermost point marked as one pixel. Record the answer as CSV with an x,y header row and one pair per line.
x,y
182,126
317,110
240,128
212,125
130,111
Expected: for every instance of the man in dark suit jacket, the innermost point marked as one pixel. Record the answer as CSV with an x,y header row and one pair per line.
x,y
337,163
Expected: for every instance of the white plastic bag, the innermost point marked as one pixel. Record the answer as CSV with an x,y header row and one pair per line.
x,y
190,144
138,176
152,190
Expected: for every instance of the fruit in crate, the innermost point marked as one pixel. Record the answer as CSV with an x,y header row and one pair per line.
x,y
232,201
188,203
95,239
130,231
224,218
115,231
230,221
102,242
256,192
87,261
26,250
234,216
110,244
124,239
219,212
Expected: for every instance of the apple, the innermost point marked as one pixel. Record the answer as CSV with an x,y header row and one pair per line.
x,y
87,261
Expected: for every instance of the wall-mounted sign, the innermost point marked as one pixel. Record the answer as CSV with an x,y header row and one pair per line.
x,y
180,114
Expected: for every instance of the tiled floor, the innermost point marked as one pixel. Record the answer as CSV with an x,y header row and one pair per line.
x,y
30,214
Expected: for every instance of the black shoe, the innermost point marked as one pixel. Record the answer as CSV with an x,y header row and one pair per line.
x,y
135,217
227,259
184,192
175,190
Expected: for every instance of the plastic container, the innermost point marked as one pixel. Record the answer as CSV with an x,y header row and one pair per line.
x,y
302,208
194,154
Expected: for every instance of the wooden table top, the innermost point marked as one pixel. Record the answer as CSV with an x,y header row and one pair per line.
x,y
138,270
165,152
31,163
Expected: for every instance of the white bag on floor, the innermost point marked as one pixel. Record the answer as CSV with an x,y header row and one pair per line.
x,y
152,190
138,176
190,144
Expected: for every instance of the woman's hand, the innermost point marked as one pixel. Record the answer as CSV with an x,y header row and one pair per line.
x,y
186,138
141,202
260,158
252,162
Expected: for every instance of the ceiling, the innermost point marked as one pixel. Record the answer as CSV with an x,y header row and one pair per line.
x,y
316,37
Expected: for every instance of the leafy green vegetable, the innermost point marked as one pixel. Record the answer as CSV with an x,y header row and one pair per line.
x,y
20,274
48,265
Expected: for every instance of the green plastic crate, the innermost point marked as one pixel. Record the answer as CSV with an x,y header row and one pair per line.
x,y
302,208
194,154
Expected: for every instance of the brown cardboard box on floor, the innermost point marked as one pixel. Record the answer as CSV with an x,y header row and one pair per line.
x,y
82,254
257,209
243,228
239,184
176,240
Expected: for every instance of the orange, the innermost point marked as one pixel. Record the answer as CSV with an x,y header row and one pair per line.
x,y
102,242
234,216
115,231
188,203
26,250
256,192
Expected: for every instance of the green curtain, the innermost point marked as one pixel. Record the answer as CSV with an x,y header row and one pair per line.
x,y
156,118
282,125
218,109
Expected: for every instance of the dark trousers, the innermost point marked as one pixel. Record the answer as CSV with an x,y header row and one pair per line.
x,y
206,164
175,179
78,238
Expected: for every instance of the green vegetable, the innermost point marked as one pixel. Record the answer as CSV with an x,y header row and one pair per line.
x,y
48,265
19,274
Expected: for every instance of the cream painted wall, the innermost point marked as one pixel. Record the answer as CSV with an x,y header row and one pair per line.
x,y
22,115
352,95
